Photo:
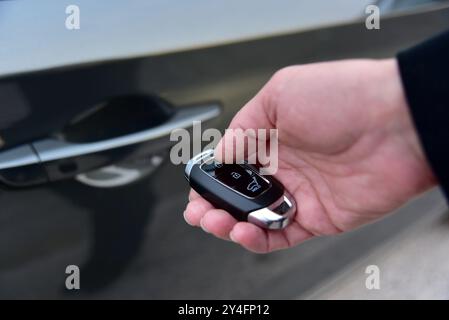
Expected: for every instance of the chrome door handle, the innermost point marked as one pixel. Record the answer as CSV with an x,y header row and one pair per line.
x,y
53,149
54,159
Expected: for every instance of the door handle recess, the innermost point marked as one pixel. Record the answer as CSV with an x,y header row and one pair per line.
x,y
53,159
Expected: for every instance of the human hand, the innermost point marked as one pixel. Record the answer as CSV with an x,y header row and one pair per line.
x,y
348,151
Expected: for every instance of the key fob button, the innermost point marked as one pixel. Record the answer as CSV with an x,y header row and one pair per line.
x,y
252,186
232,175
209,168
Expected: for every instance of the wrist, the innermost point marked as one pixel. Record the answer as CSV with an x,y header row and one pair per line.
x,y
401,123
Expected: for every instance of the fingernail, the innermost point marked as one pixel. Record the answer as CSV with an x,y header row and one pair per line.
x,y
203,227
231,236
187,221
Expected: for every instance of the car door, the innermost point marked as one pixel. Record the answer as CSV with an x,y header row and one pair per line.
x,y
86,114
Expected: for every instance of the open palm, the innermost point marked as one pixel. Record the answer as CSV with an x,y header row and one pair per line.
x,y
348,152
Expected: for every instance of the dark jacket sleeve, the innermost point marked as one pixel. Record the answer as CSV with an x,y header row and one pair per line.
x,y
425,76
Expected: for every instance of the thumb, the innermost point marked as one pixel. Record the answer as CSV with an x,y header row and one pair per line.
x,y
242,136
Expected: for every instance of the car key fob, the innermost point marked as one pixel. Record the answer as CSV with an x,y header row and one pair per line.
x,y
241,190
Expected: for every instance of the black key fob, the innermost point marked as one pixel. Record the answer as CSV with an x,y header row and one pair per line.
x,y
241,190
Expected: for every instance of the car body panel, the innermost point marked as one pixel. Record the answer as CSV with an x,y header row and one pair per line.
x,y
132,242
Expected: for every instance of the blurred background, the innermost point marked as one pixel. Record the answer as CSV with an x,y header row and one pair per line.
x,y
137,66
